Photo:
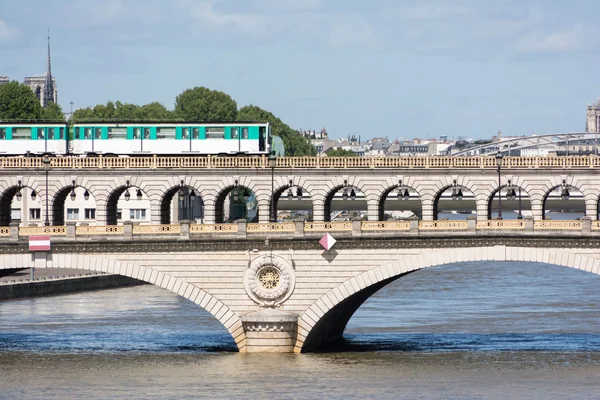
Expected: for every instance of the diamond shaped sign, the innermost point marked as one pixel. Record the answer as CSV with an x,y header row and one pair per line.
x,y
327,241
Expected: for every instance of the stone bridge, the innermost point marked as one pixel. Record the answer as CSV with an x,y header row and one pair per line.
x,y
273,286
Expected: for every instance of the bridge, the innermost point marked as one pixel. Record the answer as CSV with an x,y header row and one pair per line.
x,y
278,286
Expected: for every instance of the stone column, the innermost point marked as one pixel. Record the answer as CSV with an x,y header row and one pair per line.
x,y
270,331
299,229
482,209
586,223
471,223
71,227
128,229
209,210
318,210
528,223
536,209
357,228
242,228
14,231
373,210
184,229
263,211
427,207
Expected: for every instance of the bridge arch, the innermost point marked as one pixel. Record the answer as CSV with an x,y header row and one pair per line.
x,y
211,304
73,191
125,190
325,320
221,198
9,194
406,195
521,201
189,200
295,192
350,188
564,190
457,193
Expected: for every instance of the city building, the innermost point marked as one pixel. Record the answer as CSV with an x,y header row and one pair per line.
x,y
592,123
3,79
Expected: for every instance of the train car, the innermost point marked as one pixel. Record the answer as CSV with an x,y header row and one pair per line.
x,y
139,138
19,138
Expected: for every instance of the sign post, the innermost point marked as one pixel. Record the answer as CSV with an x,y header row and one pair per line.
x,y
39,244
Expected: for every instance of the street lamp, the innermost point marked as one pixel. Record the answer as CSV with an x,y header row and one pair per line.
x,y
272,162
564,194
499,163
46,161
72,195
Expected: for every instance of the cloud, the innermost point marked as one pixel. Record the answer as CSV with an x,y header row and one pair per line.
x,y
571,39
7,32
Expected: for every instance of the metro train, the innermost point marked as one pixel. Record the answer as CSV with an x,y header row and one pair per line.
x,y
138,138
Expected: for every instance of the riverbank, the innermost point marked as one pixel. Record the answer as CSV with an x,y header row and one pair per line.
x,y
51,282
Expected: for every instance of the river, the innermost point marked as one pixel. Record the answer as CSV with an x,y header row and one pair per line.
x,y
461,331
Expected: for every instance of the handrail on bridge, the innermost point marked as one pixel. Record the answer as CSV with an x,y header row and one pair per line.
x,y
301,229
262,162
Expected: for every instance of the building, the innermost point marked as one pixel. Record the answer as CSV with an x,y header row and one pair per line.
x,y
592,123
3,79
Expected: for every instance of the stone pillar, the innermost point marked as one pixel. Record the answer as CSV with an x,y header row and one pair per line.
x,y
357,228
101,210
528,223
414,224
373,210
299,229
263,211
242,228
471,223
427,208
71,228
14,231
128,229
536,209
586,224
270,331
184,229
482,209
209,210
318,210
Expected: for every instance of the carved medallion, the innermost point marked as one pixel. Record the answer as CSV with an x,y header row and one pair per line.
x,y
269,280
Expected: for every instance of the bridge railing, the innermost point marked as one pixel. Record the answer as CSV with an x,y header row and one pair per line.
x,y
253,162
308,229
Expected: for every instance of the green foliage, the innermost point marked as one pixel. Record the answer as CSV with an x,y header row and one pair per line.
x,y
340,153
204,105
18,102
53,112
123,112
295,144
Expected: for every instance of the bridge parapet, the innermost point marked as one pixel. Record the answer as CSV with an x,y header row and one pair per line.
x,y
253,162
286,230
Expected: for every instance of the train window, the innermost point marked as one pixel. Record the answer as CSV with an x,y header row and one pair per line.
x,y
87,133
61,134
117,133
40,133
146,133
137,133
50,133
21,133
234,133
98,133
196,133
2,133
165,133
185,133
215,132
244,133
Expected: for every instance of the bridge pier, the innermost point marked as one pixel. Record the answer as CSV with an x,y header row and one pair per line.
x,y
270,331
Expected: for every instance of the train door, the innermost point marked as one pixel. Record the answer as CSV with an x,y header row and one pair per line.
x,y
262,133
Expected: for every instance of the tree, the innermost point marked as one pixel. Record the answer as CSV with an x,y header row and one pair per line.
x,y
18,102
340,153
295,144
204,105
155,112
53,112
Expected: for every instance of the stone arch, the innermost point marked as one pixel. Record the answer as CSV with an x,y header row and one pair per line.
x,y
224,192
59,200
325,320
334,186
462,186
282,185
211,304
115,194
518,189
9,193
383,197
570,186
172,192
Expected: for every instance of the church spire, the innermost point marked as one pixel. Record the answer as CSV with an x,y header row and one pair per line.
x,y
49,83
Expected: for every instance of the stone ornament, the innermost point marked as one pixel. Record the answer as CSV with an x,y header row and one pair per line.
x,y
269,280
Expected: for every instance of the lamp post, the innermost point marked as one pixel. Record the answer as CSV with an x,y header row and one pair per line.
x,y
46,161
499,163
272,162
520,216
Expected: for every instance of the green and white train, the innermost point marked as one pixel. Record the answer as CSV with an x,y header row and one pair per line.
x,y
139,138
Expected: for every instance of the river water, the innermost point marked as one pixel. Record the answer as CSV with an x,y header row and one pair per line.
x,y
461,331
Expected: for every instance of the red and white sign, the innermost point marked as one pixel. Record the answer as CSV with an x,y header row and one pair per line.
x,y
39,243
327,241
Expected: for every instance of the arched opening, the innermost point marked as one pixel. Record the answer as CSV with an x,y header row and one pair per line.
x,y
462,299
127,203
563,202
345,203
292,203
453,203
235,203
23,205
74,204
400,203
181,203
515,203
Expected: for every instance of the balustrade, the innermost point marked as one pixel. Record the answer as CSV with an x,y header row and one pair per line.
x,y
327,226
442,225
4,231
43,230
501,224
251,162
557,225
155,229
272,227
207,228
385,226
100,230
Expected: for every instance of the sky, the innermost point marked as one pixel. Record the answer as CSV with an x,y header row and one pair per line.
x,y
378,68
